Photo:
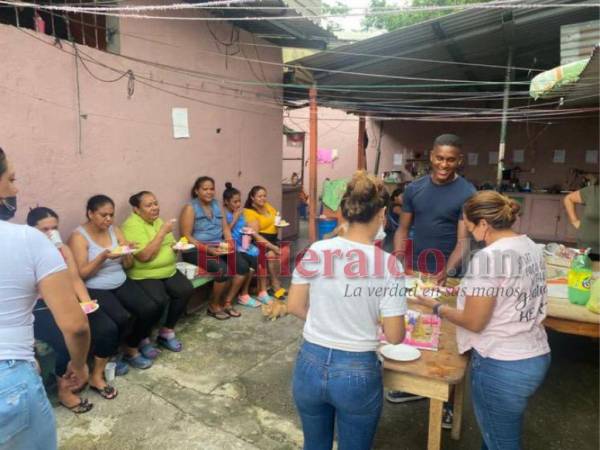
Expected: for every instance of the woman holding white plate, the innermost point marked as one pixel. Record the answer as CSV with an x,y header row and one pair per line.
x,y
500,309
154,267
261,216
104,331
338,377
102,254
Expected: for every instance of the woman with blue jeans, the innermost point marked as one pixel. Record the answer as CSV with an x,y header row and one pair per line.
x,y
337,378
30,266
500,309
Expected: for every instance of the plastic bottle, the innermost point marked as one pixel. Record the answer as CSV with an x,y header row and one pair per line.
x,y
579,278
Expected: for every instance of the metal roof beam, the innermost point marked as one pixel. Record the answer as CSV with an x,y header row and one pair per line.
x,y
454,51
419,48
525,19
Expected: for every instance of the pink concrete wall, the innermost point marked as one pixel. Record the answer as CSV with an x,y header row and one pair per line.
x,y
539,142
336,130
127,144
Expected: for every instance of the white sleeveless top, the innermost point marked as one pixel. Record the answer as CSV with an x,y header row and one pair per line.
x,y
111,274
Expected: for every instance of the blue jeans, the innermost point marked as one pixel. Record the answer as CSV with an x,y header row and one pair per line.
x,y
334,386
500,391
26,417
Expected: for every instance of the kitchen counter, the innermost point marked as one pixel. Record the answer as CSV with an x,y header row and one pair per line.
x,y
543,216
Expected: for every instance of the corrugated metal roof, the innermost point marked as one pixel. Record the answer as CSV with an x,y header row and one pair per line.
x,y
480,37
578,40
586,91
287,33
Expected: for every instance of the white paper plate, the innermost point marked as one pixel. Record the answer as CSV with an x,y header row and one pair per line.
x,y
129,251
89,307
183,246
400,352
283,225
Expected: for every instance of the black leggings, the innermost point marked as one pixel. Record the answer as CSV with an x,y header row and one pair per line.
x,y
172,293
104,331
131,309
218,267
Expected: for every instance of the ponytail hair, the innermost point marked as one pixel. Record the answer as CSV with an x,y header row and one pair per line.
x,y
365,196
136,199
229,192
96,202
199,181
39,213
251,194
498,210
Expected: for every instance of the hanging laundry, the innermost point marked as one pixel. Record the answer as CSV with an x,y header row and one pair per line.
x,y
324,156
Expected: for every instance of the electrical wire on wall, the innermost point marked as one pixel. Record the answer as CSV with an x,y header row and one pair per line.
x,y
420,113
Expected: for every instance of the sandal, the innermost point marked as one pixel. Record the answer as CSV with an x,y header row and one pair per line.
x,y
108,392
172,344
265,299
231,311
80,408
246,300
219,315
122,368
149,351
138,361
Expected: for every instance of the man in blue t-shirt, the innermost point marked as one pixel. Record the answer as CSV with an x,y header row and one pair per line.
x,y
433,206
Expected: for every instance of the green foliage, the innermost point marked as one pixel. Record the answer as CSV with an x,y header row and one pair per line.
x,y
391,22
338,9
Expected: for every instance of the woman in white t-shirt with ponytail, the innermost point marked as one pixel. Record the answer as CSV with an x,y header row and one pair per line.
x,y
342,287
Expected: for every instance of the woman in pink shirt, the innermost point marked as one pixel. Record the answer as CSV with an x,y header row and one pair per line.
x,y
500,308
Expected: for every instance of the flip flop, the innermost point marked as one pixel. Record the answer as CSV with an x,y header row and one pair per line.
x,y
149,351
172,344
232,312
80,408
108,392
250,302
219,315
139,361
265,299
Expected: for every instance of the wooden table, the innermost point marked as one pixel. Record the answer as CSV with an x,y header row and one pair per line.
x,y
565,317
432,376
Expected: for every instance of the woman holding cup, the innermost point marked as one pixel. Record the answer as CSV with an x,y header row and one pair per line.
x,y
153,265
243,236
203,223
103,254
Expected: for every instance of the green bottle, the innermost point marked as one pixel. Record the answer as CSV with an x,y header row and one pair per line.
x,y
579,278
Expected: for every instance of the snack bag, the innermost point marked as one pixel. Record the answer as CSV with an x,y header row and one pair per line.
x,y
593,303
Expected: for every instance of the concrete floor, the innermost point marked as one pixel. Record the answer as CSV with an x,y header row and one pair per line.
x,y
230,389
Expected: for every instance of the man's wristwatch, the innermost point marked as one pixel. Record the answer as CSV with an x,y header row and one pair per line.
x,y
436,309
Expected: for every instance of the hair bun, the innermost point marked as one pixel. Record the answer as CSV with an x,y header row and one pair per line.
x,y
228,185
364,197
514,207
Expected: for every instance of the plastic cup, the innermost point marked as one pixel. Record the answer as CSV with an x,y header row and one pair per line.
x,y
55,238
246,240
190,272
109,371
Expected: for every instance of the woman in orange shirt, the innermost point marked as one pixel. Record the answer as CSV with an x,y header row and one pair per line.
x,y
260,215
